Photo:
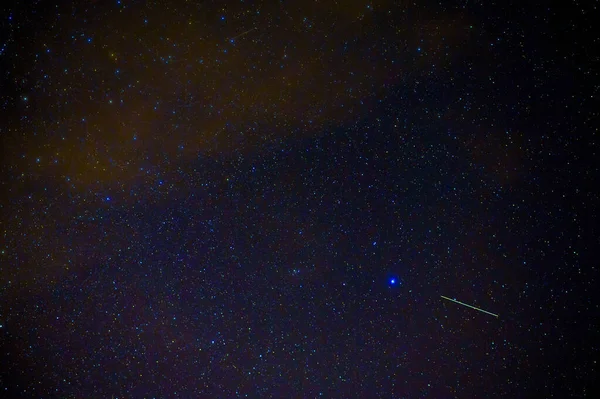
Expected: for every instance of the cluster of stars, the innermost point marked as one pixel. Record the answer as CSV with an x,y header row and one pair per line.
x,y
266,200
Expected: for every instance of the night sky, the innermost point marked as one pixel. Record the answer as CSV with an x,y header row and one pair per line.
x,y
268,199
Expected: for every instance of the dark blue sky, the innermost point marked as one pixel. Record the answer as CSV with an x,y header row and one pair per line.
x,y
212,200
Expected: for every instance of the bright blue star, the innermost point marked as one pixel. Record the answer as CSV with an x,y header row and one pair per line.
x,y
394,281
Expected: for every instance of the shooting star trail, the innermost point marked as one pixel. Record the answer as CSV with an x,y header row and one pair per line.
x,y
469,306
242,34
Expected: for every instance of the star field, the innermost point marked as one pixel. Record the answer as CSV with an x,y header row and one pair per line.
x,y
268,199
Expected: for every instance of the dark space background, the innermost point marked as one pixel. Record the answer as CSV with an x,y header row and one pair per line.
x,y
267,199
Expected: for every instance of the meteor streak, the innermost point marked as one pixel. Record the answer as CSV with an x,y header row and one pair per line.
x,y
242,34
469,306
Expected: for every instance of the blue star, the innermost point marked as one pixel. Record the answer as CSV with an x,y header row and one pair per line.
x,y
394,281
